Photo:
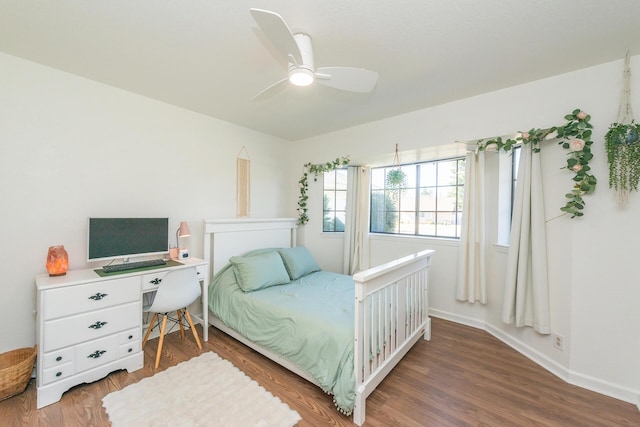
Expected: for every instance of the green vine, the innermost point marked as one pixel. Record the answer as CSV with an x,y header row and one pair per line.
x,y
315,169
622,143
574,135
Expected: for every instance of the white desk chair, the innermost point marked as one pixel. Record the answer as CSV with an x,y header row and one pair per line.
x,y
178,289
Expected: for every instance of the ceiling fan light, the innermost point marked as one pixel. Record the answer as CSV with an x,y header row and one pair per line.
x,y
301,76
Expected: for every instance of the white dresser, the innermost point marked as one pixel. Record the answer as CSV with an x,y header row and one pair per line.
x,y
88,325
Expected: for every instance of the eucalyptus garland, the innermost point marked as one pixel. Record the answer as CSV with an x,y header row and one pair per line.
x,y
574,135
622,143
315,169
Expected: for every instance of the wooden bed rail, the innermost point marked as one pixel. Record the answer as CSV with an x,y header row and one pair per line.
x,y
391,314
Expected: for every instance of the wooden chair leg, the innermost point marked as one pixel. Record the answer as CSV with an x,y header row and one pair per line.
x,y
193,329
180,323
146,336
162,329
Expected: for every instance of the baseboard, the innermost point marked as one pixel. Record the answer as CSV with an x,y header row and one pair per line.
x,y
567,375
456,318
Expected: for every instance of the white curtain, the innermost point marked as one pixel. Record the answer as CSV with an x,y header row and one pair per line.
x,y
472,286
356,227
526,293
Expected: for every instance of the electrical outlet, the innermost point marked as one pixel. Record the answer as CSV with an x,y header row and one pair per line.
x,y
558,341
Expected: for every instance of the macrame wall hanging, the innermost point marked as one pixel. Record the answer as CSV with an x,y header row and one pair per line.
x,y
622,143
396,176
243,183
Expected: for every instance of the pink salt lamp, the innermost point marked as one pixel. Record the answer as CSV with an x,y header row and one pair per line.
x,y
57,261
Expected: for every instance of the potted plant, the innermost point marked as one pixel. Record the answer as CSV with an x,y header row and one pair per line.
x,y
395,177
622,143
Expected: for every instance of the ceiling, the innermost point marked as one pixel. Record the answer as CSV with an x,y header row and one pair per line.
x,y
210,56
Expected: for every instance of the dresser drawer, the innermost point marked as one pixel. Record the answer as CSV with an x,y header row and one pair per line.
x,y
89,326
56,358
58,373
130,336
93,296
151,281
129,349
96,353
201,270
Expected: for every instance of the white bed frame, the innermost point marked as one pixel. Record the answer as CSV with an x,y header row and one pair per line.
x,y
391,304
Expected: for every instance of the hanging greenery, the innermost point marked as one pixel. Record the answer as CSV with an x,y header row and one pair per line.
x,y
574,135
622,143
315,169
395,177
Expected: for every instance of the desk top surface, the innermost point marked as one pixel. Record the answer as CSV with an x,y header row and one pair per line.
x,y
74,277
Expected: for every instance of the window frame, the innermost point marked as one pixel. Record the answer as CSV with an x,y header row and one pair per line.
x,y
334,211
418,187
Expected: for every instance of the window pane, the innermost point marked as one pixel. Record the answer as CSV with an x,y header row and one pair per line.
x,y
329,180
328,222
341,179
339,221
428,174
383,217
329,203
446,224
341,201
447,198
427,225
409,176
407,223
377,178
447,173
408,200
428,198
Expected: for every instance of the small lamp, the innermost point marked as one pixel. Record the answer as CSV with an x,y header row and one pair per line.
x,y
57,261
183,231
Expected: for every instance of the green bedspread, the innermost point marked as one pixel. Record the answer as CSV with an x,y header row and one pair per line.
x,y
308,321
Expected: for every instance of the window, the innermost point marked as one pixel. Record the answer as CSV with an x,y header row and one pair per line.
x,y
423,199
334,203
515,161
507,181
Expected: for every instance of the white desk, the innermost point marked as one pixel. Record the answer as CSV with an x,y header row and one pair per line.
x,y
90,325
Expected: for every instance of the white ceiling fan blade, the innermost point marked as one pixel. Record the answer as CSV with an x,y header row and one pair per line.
x,y
278,33
271,90
347,78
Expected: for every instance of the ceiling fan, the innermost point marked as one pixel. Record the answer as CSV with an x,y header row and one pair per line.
x,y
299,52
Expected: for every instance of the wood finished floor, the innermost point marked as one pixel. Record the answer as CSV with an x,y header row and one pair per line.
x,y
462,377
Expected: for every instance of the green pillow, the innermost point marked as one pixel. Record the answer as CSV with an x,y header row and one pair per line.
x,y
298,262
259,271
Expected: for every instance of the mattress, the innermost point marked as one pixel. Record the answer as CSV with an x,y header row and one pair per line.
x,y
309,322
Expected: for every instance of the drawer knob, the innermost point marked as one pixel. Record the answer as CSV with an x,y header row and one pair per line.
x,y
97,296
96,354
130,336
58,374
155,281
130,350
97,325
59,358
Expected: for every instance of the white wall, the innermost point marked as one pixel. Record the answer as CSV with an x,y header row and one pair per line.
x,y
594,282
61,136
73,148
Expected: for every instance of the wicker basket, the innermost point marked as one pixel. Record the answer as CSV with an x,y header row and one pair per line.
x,y
15,371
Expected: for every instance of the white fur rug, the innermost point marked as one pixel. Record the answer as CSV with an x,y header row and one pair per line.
x,y
204,391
